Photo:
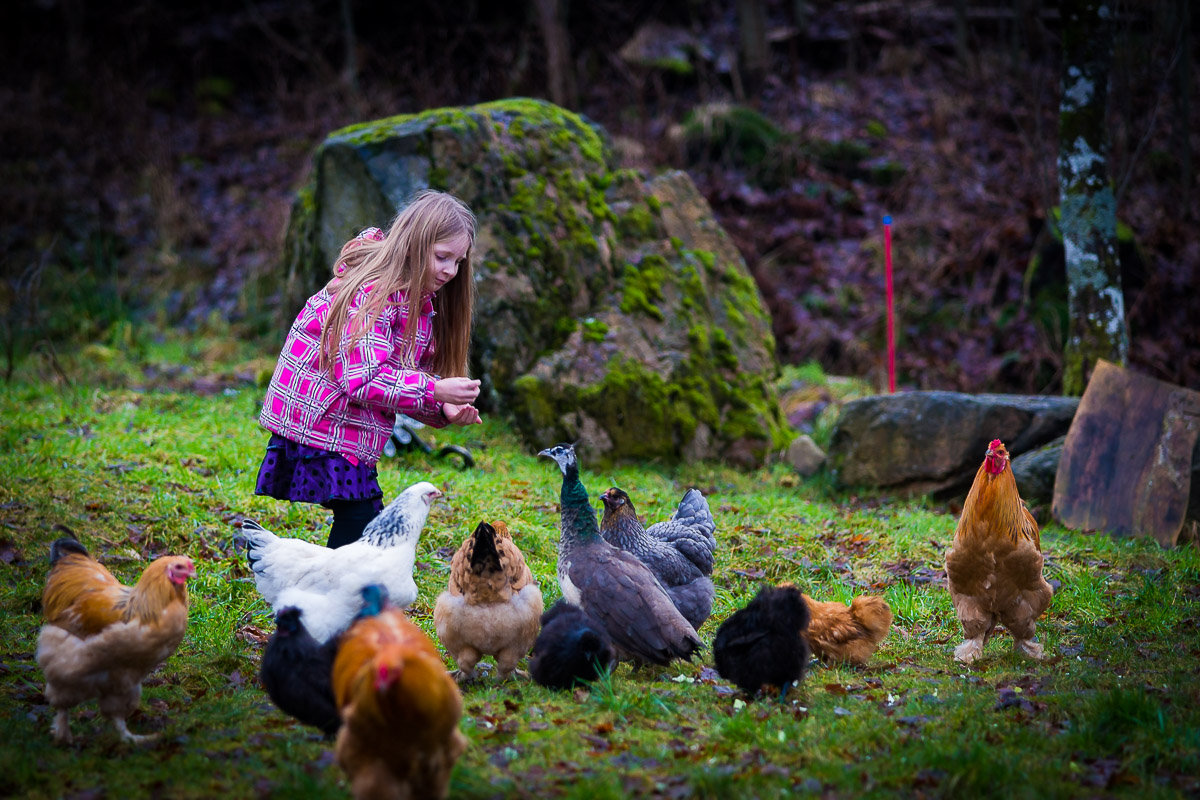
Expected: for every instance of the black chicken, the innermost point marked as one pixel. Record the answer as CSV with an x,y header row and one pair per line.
x,y
679,551
297,673
570,648
763,644
611,586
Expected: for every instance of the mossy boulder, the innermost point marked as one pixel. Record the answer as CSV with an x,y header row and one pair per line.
x,y
612,307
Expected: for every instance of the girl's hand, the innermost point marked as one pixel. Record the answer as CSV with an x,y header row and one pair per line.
x,y
461,415
459,391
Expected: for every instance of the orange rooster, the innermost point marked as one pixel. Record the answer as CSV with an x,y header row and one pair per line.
x,y
400,707
840,634
101,638
994,570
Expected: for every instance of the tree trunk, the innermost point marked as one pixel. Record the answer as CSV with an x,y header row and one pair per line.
x,y
961,43
1183,95
756,52
559,75
350,41
1089,215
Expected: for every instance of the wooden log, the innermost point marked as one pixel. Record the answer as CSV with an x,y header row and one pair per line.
x,y
1126,463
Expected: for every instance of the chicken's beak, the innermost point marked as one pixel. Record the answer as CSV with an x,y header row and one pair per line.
x,y
431,496
386,675
546,453
179,573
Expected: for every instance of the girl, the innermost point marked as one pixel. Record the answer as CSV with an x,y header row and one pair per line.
x,y
377,340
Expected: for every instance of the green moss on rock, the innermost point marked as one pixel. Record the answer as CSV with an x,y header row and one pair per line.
x,y
594,330
573,258
643,287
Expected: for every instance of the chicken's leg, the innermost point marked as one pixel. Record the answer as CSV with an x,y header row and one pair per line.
x,y
970,650
506,662
466,660
1028,647
132,738
61,727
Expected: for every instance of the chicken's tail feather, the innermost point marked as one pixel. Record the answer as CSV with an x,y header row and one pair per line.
x,y
693,511
254,536
64,546
484,555
873,614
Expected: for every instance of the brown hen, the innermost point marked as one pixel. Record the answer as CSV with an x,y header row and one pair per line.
x,y
400,708
102,638
994,570
839,634
492,605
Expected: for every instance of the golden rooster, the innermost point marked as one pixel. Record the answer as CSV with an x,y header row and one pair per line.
x,y
492,605
840,634
102,638
994,570
400,708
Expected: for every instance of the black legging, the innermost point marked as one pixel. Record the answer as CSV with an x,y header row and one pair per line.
x,y
350,517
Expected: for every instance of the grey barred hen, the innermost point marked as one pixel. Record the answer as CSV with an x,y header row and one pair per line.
x,y
612,586
679,551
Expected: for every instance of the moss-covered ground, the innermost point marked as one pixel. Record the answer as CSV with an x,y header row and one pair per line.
x,y
154,449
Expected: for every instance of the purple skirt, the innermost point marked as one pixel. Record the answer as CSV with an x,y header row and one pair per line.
x,y
303,474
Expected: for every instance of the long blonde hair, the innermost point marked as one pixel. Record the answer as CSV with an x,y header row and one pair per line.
x,y
401,262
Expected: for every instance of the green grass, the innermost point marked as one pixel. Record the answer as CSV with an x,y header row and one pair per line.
x,y
157,452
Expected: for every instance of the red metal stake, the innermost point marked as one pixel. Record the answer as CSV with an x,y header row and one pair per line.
x,y
891,317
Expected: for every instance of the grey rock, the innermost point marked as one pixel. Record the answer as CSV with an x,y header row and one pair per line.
x,y
934,441
805,456
1035,472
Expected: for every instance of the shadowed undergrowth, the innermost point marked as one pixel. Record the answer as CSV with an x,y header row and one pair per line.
x,y
158,453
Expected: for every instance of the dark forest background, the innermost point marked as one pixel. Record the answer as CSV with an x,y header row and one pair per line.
x,y
148,153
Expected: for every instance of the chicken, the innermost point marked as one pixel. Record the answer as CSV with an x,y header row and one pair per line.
x,y
492,605
763,644
994,569
325,584
102,638
838,634
612,586
679,551
570,649
400,708
296,672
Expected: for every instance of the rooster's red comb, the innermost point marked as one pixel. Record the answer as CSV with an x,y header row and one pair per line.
x,y
995,443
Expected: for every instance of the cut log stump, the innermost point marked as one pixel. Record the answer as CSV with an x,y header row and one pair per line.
x,y
1126,463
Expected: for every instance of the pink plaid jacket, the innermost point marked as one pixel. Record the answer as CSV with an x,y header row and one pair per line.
x,y
352,411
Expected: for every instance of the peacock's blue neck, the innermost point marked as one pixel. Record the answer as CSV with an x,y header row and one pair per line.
x,y
578,518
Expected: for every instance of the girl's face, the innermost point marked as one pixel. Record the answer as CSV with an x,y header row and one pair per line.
x,y
445,260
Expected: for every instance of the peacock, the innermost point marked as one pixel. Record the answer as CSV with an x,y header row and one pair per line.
x,y
612,586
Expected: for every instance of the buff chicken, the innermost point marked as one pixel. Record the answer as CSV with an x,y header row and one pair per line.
x,y
847,635
491,606
994,569
102,638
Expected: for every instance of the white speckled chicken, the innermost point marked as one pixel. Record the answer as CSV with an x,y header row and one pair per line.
x,y
324,583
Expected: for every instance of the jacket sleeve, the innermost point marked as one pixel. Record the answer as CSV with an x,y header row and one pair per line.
x,y
369,374
435,418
